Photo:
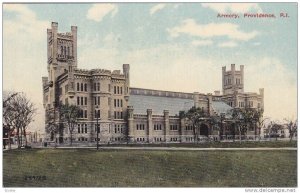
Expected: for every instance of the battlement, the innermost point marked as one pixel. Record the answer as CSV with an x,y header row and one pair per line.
x,y
66,35
100,72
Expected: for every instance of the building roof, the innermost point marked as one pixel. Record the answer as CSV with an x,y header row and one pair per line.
x,y
158,104
220,107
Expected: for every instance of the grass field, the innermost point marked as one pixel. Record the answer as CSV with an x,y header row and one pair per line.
x,y
236,144
141,168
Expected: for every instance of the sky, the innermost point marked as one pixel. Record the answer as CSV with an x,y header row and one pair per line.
x,y
169,46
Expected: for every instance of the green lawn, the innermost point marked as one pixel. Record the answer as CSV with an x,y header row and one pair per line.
x,y
141,168
236,144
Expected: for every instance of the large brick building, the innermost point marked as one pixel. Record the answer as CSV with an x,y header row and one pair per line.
x,y
129,114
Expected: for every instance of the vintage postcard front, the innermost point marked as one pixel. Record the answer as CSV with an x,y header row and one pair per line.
x,y
150,95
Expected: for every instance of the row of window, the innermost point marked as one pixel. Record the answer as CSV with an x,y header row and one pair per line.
x,y
65,51
82,128
173,139
97,87
140,127
118,128
81,100
157,127
158,139
81,87
174,127
118,103
97,100
97,113
228,81
82,114
118,90
118,115
140,139
82,139
189,128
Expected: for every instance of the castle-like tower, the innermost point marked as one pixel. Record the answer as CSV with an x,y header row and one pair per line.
x,y
97,92
233,80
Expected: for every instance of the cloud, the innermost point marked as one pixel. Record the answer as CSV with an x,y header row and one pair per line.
x,y
159,68
157,7
230,30
98,11
232,7
229,44
202,42
24,24
24,55
279,83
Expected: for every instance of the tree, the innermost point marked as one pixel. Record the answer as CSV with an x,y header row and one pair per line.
x,y
18,112
51,127
70,115
236,119
273,129
292,127
196,116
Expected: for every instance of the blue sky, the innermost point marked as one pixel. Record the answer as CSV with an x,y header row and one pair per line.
x,y
171,46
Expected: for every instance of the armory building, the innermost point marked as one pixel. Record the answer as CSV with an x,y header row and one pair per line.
x,y
128,114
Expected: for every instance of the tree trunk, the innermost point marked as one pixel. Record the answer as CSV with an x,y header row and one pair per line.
x,y
240,134
25,136
18,138
9,142
71,138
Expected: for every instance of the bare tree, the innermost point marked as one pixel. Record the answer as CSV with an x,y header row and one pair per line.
x,y
18,112
70,115
273,128
292,127
9,113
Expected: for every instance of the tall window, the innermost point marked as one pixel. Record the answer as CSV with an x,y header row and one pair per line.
x,y
81,100
81,86
65,50
85,100
62,50
85,87
77,86
68,51
78,100
95,87
98,86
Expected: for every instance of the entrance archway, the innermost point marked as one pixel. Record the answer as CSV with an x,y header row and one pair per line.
x,y
204,129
